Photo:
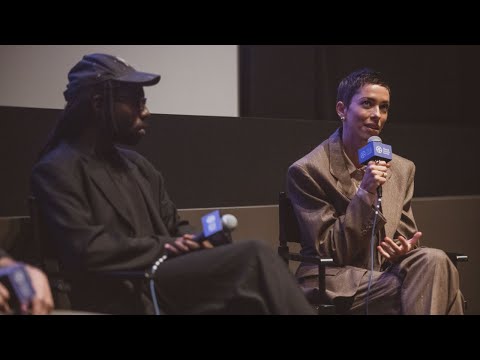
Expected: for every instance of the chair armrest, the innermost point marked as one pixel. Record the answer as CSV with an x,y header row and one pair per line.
x,y
311,259
322,263
128,275
456,257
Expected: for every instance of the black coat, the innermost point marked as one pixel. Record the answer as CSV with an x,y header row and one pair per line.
x,y
87,223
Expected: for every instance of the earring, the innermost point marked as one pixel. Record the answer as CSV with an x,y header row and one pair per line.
x,y
342,117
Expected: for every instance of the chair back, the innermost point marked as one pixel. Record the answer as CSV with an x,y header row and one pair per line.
x,y
289,232
49,263
16,238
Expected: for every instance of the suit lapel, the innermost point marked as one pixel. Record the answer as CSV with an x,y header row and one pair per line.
x,y
146,190
338,167
102,179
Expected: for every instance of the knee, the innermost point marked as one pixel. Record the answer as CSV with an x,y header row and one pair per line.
x,y
254,249
434,256
392,285
254,246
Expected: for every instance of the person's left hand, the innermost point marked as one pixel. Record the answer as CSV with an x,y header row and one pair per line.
x,y
186,243
393,251
42,303
205,243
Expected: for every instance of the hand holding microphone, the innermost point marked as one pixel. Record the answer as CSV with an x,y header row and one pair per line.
x,y
375,176
182,245
216,231
376,156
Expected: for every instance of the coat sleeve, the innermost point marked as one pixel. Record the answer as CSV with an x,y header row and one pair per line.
x,y
345,237
83,243
407,226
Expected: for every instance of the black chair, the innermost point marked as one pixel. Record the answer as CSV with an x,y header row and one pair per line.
x,y
16,237
49,263
289,232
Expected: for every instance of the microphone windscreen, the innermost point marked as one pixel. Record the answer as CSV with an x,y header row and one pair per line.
x,y
374,138
229,221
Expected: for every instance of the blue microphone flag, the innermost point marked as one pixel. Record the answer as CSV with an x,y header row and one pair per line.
x,y
211,223
374,150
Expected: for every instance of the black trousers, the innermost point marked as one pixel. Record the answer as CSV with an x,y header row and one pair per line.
x,y
245,277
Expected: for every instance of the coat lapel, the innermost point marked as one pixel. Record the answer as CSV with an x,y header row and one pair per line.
x,y
338,167
150,198
101,178
97,172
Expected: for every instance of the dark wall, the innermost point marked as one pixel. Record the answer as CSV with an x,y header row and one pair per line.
x,y
430,84
225,161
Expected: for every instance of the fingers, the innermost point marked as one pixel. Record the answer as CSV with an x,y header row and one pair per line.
x,y
376,174
192,245
42,303
383,253
37,307
395,248
410,243
415,238
41,306
185,244
380,169
4,297
182,245
171,249
388,249
207,244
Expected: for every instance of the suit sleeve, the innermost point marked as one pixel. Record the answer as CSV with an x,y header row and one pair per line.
x,y
82,243
407,226
343,237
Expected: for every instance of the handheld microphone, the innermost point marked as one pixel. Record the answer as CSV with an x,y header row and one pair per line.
x,y
217,229
375,150
16,279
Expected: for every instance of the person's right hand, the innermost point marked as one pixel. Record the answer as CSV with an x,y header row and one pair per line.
x,y
375,176
186,244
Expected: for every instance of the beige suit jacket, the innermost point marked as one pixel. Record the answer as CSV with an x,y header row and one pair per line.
x,y
337,223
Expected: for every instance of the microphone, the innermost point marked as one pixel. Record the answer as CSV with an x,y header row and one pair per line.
x,y
16,279
375,150
217,229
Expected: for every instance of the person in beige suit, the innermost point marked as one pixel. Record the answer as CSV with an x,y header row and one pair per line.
x,y
335,200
